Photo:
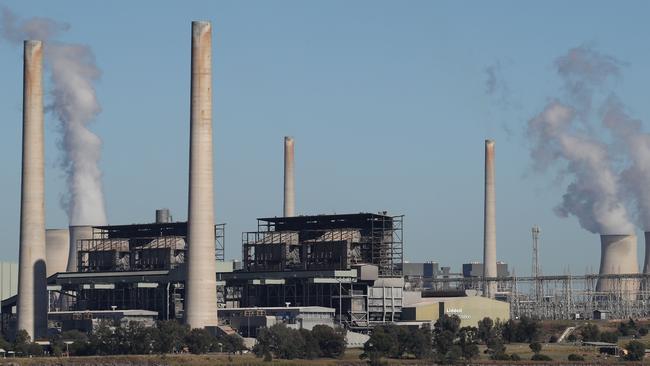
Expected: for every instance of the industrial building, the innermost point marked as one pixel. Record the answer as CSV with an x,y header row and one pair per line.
x,y
470,309
124,267
8,279
349,262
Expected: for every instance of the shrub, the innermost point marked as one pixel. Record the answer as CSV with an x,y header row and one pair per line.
x,y
540,357
515,357
590,333
199,341
609,337
635,351
536,347
571,338
574,357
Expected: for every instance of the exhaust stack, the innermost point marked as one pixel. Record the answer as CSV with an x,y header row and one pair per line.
x,y
57,246
200,285
489,223
617,256
32,288
289,190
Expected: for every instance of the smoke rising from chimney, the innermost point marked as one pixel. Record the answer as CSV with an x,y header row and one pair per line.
x,y
73,72
594,194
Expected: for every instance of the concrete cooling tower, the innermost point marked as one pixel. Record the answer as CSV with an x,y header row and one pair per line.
x,y
646,262
77,233
617,256
32,285
57,246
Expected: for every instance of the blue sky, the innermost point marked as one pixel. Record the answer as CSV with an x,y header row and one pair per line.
x,y
386,100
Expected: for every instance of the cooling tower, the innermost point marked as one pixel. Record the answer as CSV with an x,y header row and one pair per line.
x,y
32,288
163,216
57,246
289,192
77,233
489,223
617,256
200,286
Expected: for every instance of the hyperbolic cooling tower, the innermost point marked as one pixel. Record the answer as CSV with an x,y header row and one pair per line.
x,y
617,256
289,190
32,287
200,286
57,246
489,224
77,233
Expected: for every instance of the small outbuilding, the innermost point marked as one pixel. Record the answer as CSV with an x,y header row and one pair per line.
x,y
601,314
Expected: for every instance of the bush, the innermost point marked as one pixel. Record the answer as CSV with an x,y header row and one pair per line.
x,y
536,347
574,357
609,337
552,339
635,351
199,341
643,331
169,336
590,333
515,357
331,342
540,357
571,338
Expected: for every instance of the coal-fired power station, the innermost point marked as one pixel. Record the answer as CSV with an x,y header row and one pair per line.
x,y
200,291
489,224
289,187
32,285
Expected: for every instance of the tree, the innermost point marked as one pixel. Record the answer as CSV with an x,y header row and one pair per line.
x,y
169,336
79,345
138,339
590,333
571,338
419,342
485,329
528,329
280,341
23,345
380,344
635,351
199,340
312,348
628,328
330,341
536,347
233,343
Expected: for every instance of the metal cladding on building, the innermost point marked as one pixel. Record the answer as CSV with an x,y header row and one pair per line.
x,y
32,285
618,256
646,262
77,232
489,223
200,287
57,246
289,187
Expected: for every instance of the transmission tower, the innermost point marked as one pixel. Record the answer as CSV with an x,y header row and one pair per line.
x,y
536,271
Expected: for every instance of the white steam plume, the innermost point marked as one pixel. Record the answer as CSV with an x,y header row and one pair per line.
x,y
594,195
73,72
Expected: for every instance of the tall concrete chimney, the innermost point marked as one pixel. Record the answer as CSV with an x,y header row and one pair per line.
x,y
489,223
77,232
289,191
57,246
32,287
646,262
617,256
200,285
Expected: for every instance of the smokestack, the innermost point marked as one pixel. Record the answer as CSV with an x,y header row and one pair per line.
x,y
489,223
77,232
617,256
57,246
163,216
646,262
32,288
289,192
200,286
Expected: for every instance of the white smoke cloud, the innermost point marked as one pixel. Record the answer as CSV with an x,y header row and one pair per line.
x,y
73,72
594,194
